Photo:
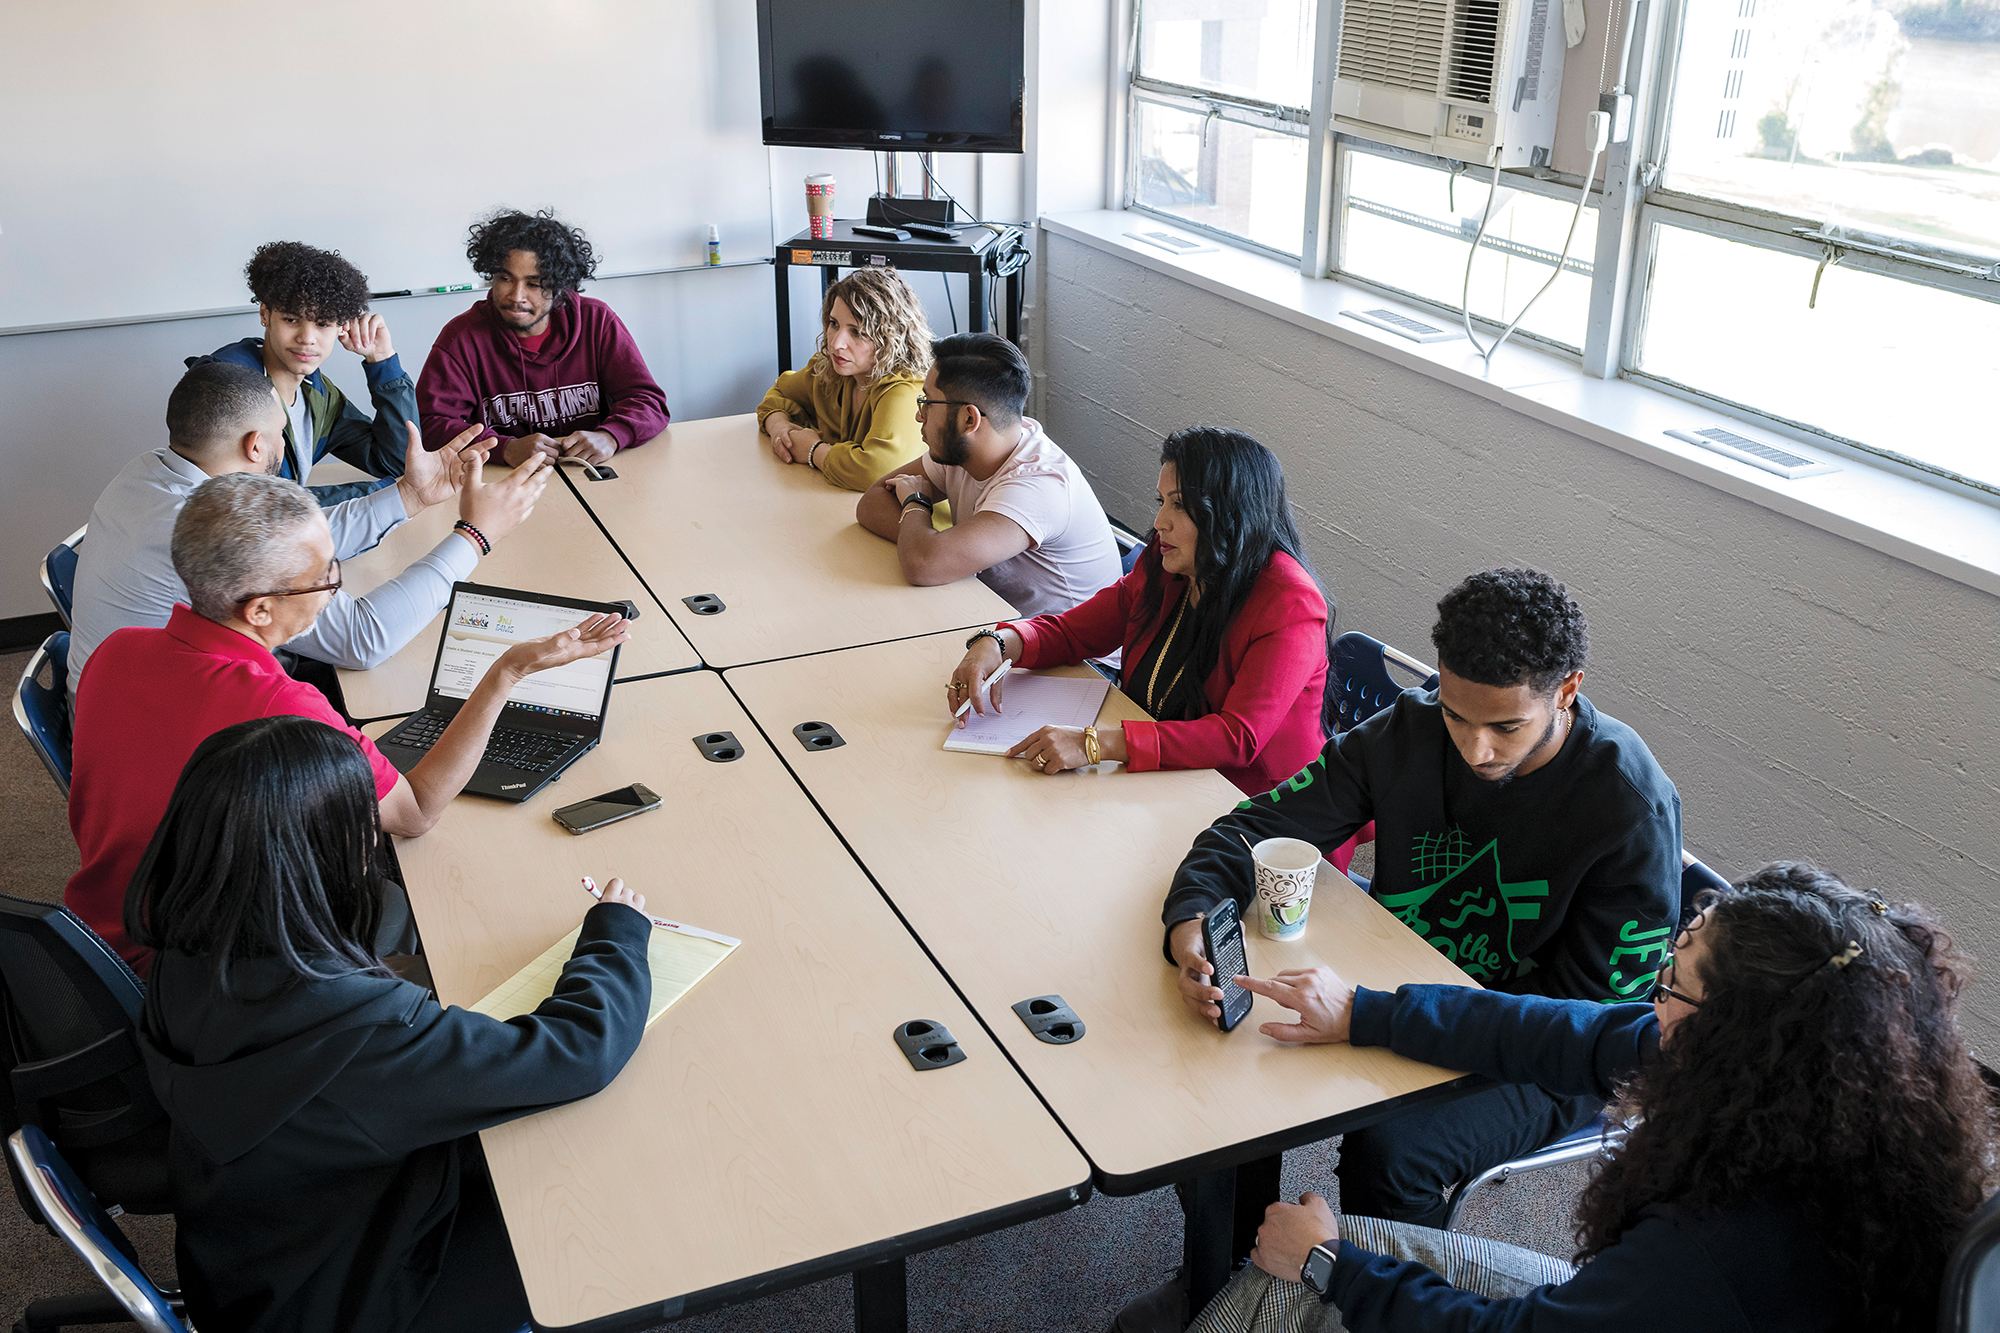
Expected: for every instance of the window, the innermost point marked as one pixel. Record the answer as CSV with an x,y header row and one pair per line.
x,y
1218,116
1804,226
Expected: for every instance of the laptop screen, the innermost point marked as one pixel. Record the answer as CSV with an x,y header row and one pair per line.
x,y
481,626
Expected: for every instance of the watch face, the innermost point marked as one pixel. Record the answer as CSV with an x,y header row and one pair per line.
x,y
1318,1272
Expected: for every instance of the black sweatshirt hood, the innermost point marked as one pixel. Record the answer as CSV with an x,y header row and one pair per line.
x,y
232,1072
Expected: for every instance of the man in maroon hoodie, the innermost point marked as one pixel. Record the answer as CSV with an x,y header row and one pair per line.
x,y
544,369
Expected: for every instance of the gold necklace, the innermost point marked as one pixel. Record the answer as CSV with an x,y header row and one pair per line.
x,y
1161,660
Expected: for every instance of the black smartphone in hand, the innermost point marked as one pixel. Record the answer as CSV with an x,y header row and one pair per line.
x,y
608,808
1222,937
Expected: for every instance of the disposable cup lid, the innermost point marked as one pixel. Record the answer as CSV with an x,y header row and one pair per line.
x,y
821,179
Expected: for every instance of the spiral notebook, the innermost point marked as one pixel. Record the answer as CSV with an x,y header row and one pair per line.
x,y
679,956
1031,702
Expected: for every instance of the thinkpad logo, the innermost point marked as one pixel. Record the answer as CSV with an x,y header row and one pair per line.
x,y
509,786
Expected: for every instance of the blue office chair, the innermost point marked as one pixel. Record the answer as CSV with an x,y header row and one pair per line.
x,y
69,1209
1129,545
1601,1134
1971,1297
59,574
43,710
1364,681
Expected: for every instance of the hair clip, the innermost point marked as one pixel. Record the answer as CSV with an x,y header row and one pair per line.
x,y
1845,956
1880,908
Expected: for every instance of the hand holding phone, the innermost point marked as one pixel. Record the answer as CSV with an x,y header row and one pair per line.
x,y
609,808
1222,937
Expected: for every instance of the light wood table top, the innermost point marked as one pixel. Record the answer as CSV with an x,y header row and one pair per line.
x,y
558,550
1023,884
768,1122
705,508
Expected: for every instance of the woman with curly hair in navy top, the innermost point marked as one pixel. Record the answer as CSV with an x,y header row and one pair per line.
x,y
1809,1135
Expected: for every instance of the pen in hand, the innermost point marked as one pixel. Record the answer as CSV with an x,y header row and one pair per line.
x,y
987,684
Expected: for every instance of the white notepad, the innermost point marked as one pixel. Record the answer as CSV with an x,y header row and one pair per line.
x,y
680,956
1032,702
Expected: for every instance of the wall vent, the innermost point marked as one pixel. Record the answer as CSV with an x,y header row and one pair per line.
x,y
1475,47
1781,462
1414,329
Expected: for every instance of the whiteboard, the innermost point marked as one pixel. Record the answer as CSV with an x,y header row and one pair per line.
x,y
147,148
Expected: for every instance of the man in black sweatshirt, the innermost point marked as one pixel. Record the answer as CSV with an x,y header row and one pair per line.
x,y
1526,836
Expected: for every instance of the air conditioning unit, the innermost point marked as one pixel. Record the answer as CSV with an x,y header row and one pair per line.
x,y
1476,80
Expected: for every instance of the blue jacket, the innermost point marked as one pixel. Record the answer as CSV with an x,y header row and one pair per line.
x,y
375,445
1755,1268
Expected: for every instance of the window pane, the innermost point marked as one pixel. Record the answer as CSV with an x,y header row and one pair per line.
x,y
1259,48
1835,110
1890,364
1410,227
1245,181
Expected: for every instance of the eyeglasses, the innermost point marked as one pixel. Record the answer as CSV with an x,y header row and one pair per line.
x,y
1662,991
297,592
926,404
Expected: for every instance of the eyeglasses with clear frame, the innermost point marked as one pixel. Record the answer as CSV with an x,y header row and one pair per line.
x,y
926,404
298,592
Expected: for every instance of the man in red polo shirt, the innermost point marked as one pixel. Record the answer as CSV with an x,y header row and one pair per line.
x,y
257,559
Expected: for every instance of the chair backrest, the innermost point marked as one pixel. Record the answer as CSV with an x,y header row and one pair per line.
x,y
1363,679
43,710
1971,1296
74,1213
68,1004
1694,878
59,574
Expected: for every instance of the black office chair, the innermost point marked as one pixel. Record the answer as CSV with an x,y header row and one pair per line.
x,y
1365,684
1971,1297
1600,1134
68,1004
59,574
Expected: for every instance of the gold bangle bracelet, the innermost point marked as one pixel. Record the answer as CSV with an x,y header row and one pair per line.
x,y
1091,751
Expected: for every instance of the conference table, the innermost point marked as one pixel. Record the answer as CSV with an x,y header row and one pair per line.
x,y
1026,885
703,511
559,549
769,1131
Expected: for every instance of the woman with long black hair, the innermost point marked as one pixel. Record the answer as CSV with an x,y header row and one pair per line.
x,y
1226,631
1808,1135
324,1167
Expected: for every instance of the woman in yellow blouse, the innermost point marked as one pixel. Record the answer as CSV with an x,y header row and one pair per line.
x,y
852,412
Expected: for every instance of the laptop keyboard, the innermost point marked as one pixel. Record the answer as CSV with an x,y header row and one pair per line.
x,y
529,751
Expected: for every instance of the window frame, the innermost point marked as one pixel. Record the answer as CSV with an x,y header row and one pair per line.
x,y
1632,206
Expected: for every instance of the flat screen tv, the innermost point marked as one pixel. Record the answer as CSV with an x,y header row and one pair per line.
x,y
920,76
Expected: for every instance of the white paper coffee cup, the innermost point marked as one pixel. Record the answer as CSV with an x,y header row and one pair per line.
x,y
1286,870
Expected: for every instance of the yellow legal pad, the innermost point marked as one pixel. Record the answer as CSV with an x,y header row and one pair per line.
x,y
680,956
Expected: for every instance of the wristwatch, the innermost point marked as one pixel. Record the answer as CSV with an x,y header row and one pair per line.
x,y
918,498
1317,1271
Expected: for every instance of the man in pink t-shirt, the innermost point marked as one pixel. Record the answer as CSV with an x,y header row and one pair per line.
x,y
1023,516
257,559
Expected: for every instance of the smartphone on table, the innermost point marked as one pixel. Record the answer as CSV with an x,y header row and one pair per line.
x,y
609,808
1222,937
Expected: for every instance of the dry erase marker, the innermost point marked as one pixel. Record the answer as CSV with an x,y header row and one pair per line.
x,y
458,287
987,684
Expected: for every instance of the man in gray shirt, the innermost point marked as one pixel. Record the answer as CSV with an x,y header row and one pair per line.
x,y
224,418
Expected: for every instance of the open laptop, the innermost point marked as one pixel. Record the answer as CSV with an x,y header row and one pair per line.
x,y
552,719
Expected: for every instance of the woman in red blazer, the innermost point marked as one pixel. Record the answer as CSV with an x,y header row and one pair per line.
x,y
1226,631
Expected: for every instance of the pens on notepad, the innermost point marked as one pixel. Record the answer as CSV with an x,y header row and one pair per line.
x,y
987,684
590,887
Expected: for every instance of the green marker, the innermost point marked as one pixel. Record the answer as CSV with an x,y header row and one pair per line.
x,y
458,287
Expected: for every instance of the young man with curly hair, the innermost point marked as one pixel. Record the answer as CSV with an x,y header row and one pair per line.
x,y
1024,518
308,301
544,369
1525,835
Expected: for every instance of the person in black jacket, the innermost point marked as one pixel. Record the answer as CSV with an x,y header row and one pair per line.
x,y
1809,1134
324,1167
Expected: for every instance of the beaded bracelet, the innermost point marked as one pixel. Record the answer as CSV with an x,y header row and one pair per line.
x,y
485,547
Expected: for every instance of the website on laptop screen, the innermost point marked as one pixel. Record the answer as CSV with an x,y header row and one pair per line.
x,y
480,627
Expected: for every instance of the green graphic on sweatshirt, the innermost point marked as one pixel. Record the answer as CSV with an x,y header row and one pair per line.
x,y
1464,909
1645,947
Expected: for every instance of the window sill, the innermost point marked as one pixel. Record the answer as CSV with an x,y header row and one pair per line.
x,y
1936,529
